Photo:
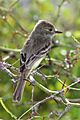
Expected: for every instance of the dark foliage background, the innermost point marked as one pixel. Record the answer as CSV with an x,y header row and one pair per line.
x,y
17,19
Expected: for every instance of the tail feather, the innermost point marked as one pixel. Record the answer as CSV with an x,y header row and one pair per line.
x,y
19,90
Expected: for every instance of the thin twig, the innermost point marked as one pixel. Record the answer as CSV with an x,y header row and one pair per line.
x,y
7,110
59,10
66,110
3,49
40,102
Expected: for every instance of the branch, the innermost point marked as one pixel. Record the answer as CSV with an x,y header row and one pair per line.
x,y
7,110
38,103
3,49
59,10
66,110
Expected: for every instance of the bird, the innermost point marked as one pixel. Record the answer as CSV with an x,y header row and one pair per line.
x,y
34,50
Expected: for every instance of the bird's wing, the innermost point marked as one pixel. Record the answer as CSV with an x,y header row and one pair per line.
x,y
25,55
32,51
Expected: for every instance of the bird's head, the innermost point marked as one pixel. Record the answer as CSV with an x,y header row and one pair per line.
x,y
45,27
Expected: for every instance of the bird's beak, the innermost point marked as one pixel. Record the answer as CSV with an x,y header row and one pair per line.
x,y
57,31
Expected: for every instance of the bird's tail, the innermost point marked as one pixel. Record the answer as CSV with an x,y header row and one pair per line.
x,y
19,89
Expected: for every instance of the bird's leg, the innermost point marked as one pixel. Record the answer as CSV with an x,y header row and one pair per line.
x,y
39,73
49,60
31,80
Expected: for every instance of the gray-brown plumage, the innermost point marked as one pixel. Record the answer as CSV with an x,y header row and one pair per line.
x,y
34,50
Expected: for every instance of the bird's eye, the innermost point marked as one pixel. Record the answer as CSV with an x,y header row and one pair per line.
x,y
50,29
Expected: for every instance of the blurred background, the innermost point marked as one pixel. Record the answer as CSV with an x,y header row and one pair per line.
x,y
17,19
